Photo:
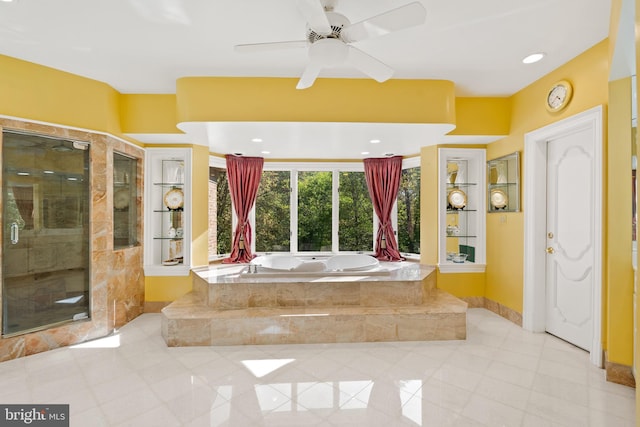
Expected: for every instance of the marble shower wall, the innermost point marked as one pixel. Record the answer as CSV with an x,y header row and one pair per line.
x,y
117,279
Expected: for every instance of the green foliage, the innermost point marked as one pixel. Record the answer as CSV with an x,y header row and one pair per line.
x,y
356,213
273,212
314,211
223,217
409,211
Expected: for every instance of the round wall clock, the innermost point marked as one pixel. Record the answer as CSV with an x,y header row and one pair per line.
x,y
174,199
559,96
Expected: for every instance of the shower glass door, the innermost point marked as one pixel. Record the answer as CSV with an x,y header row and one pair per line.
x,y
45,232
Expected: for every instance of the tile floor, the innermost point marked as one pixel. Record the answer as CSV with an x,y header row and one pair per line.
x,y
500,376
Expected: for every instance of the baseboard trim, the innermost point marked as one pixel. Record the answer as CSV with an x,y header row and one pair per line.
x,y
619,373
499,309
155,306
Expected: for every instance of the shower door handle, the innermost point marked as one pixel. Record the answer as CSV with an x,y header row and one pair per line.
x,y
15,233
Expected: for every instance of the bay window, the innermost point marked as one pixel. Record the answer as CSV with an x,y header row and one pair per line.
x,y
316,208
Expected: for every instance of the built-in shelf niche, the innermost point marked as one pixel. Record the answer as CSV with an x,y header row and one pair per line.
x,y
461,210
503,192
167,212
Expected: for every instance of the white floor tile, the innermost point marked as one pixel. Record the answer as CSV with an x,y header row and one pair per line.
x,y
492,413
501,391
501,375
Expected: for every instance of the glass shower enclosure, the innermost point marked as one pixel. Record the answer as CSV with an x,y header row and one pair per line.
x,y
45,232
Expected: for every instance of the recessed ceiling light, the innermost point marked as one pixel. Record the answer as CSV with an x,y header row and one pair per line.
x,y
534,57
364,153
266,152
374,141
256,140
7,1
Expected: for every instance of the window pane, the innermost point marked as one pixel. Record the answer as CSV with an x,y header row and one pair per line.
x,y
219,212
125,212
409,211
356,213
272,212
314,211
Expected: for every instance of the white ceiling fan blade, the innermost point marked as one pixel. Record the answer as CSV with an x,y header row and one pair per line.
x,y
309,75
409,15
268,47
314,13
369,65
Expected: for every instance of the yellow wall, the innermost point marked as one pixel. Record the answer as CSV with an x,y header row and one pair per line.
x,y
619,271
462,284
588,74
143,113
38,93
200,206
429,205
164,289
636,334
637,295
482,116
328,100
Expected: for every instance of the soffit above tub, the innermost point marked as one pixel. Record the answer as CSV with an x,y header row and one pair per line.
x,y
324,141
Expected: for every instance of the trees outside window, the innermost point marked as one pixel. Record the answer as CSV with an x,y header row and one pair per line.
x,y
409,211
355,229
314,211
223,211
305,211
273,217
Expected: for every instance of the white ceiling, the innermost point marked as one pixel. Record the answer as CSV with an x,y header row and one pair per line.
x,y
144,46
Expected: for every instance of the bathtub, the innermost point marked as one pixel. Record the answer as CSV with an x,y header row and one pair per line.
x,y
292,263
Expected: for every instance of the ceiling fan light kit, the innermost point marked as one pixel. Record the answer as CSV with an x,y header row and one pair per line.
x,y
330,34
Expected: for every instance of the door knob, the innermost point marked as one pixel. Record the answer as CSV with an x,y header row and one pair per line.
x,y
550,250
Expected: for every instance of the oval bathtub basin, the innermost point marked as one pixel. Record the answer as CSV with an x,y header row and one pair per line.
x,y
351,262
277,262
291,263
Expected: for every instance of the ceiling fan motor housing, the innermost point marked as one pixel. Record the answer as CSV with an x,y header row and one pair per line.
x,y
337,22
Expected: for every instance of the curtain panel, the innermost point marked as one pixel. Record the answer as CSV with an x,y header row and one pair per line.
x,y
243,176
383,181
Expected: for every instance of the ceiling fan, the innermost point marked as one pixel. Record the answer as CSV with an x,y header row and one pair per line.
x,y
330,34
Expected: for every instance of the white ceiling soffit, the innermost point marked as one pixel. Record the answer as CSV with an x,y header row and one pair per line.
x,y
303,140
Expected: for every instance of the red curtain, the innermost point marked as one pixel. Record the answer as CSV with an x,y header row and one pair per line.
x,y
243,175
383,181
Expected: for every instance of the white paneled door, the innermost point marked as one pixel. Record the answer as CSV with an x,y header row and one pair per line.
x,y
570,238
563,231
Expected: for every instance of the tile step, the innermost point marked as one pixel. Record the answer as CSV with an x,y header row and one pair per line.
x,y
188,322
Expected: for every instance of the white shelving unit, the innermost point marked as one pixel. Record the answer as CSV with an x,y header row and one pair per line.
x,y
167,250
461,210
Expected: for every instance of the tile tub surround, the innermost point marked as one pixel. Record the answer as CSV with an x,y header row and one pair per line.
x,y
229,308
117,281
